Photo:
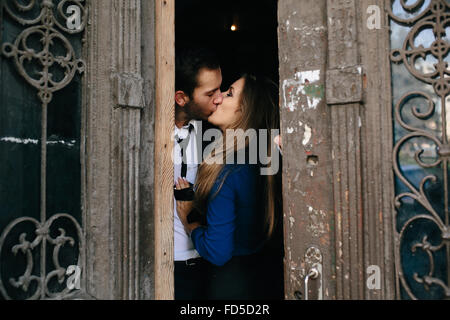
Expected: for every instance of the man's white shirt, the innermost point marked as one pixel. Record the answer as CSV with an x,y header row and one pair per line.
x,y
183,246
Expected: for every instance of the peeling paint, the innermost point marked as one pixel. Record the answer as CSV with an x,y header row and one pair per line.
x,y
313,102
304,194
307,136
294,278
308,76
317,29
291,221
290,130
317,222
302,84
314,90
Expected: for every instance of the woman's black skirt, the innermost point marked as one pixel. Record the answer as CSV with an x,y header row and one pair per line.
x,y
253,277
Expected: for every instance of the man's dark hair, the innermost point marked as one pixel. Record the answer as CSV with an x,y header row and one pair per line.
x,y
188,62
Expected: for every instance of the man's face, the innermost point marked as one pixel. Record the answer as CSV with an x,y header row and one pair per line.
x,y
206,95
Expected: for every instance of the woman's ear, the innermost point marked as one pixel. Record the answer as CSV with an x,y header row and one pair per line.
x,y
181,98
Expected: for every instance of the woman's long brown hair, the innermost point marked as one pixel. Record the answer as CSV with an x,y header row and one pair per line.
x,y
259,110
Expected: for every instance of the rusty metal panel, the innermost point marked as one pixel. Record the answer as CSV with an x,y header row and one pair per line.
x,y
421,92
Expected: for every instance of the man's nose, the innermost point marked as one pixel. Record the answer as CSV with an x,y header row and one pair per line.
x,y
219,98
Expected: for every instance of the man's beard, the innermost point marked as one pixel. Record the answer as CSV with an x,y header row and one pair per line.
x,y
193,111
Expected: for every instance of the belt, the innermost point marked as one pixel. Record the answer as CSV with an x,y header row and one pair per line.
x,y
191,262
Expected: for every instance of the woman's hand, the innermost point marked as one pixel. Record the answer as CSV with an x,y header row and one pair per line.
x,y
185,207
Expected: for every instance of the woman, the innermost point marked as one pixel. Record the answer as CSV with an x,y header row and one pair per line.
x,y
240,204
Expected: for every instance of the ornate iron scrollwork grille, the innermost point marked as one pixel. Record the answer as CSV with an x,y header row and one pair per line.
x,y
46,28
421,76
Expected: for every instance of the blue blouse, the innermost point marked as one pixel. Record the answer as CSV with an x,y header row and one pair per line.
x,y
235,216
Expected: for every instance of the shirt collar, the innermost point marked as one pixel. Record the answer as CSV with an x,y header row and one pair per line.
x,y
186,127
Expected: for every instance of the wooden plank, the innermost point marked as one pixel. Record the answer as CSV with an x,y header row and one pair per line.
x,y
164,126
307,175
362,150
147,154
377,145
345,74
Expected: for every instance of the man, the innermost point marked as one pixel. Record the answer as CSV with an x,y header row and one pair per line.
x,y
198,78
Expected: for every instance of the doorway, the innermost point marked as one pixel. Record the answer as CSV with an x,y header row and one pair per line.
x,y
244,36
242,33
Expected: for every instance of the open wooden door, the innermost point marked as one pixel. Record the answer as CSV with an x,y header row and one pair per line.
x,y
364,92
307,170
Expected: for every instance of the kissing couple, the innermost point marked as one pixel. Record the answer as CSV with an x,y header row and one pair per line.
x,y
227,215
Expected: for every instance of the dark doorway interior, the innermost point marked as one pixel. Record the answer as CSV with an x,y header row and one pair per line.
x,y
252,47
244,35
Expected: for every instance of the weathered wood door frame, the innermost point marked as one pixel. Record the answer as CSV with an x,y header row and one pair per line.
x,y
342,149
337,158
164,126
349,217
114,219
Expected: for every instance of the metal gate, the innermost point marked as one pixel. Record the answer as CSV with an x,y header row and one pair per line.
x,y
420,45
42,241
